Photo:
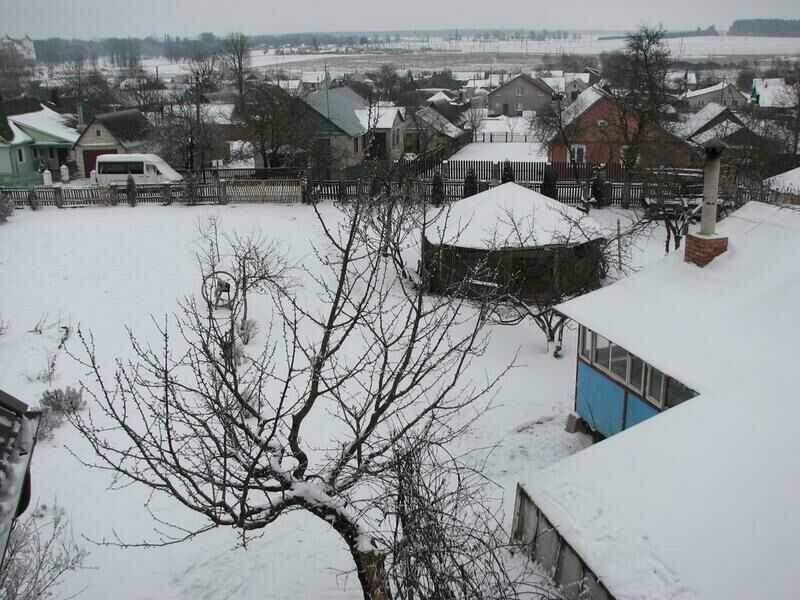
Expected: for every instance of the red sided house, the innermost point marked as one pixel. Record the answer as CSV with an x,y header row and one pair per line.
x,y
596,130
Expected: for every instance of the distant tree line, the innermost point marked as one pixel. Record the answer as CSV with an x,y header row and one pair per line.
x,y
766,27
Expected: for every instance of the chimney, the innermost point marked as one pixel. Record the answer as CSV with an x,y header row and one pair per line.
x,y
705,246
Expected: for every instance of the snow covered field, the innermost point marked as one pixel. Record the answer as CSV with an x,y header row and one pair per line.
x,y
107,268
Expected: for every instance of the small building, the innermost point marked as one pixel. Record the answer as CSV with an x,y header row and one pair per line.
x,y
18,429
121,132
774,94
715,121
599,131
701,500
511,240
518,94
785,187
22,47
722,93
567,85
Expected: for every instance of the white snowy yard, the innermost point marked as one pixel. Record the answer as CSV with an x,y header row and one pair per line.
x,y
111,268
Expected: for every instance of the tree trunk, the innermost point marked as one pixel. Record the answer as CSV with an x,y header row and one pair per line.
x,y
626,187
372,574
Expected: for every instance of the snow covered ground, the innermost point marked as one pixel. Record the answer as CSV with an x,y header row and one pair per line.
x,y
107,268
514,151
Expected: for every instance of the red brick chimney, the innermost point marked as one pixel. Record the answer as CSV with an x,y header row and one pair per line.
x,y
705,246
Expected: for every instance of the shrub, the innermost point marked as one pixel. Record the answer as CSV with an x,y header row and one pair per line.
x,y
130,190
550,183
470,183
508,172
33,201
437,190
247,330
63,402
190,190
601,192
6,207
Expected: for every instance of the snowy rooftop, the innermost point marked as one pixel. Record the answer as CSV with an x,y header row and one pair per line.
x,y
340,105
785,183
774,93
219,114
438,123
19,136
690,123
583,102
49,122
701,501
510,216
711,89
513,151
439,96
719,131
379,116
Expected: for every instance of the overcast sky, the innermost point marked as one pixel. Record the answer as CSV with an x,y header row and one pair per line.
x,y
108,18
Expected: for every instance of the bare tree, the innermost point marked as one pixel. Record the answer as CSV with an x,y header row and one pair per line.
x,y
235,54
240,442
41,550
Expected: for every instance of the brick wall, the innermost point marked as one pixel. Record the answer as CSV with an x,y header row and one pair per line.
x,y
701,250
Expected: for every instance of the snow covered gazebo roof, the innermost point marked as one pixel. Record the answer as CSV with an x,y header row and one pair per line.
x,y
700,501
510,216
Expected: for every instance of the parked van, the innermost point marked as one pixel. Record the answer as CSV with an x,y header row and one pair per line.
x,y
145,168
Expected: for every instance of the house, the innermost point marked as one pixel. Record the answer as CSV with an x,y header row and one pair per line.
x,y
293,87
701,500
121,132
18,429
429,129
785,187
715,121
513,241
518,94
681,82
723,93
567,85
33,136
598,131
774,94
350,124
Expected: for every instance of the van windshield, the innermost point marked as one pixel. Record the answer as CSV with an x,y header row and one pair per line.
x,y
121,168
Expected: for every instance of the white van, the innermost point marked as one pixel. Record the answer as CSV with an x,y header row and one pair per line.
x,y
145,168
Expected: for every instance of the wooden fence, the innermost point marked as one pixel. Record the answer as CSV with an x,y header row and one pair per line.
x,y
531,171
237,191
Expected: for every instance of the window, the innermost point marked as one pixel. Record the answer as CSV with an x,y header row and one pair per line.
x,y
21,155
636,373
98,133
677,393
35,153
519,107
655,386
586,343
120,168
355,145
519,91
52,153
151,170
619,361
577,153
602,351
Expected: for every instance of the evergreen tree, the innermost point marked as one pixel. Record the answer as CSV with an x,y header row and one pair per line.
x,y
470,183
437,190
508,173
550,183
130,190
6,206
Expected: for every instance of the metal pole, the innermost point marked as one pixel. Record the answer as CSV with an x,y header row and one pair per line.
x,y
708,218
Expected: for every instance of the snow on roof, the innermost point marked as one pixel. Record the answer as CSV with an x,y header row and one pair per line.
x,y
49,122
289,84
712,89
700,501
219,114
690,77
513,151
19,137
690,123
719,131
583,102
774,93
379,116
340,106
478,83
785,183
439,96
510,216
437,122
559,83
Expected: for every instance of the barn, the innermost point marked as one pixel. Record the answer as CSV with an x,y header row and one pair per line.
x,y
512,241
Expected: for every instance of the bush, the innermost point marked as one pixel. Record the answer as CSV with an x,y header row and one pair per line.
x,y
437,190
33,201
6,207
470,183
130,190
247,330
190,190
550,183
508,172
63,402
601,192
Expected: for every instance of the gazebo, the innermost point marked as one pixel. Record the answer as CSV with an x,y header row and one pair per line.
x,y
511,241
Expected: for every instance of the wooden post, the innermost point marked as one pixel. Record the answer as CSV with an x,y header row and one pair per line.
x,y
59,195
223,191
619,246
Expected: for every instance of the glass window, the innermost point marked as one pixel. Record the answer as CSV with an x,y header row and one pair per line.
x,y
519,91
619,361
602,351
655,386
151,170
636,374
355,144
21,155
586,343
578,153
678,393
99,133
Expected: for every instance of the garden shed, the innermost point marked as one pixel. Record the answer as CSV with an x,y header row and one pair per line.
x,y
510,240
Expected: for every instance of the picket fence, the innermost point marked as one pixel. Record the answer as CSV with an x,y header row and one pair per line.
x,y
240,191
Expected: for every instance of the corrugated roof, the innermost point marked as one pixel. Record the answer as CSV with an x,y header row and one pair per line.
x,y
339,105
